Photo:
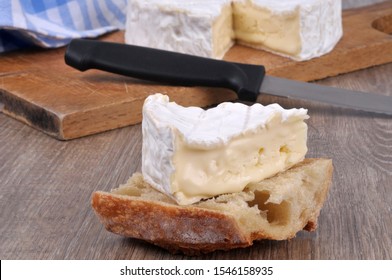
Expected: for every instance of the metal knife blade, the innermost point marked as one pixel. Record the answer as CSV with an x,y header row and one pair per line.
x,y
247,80
368,102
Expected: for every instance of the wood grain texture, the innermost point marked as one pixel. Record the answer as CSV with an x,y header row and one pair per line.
x,y
40,90
349,4
46,187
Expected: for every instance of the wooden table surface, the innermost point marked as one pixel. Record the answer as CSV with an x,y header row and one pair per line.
x,y
46,186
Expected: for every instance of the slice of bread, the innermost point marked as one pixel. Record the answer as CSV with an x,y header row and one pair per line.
x,y
275,208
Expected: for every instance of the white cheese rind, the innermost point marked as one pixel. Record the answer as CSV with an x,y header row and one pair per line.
x,y
181,26
299,29
191,153
321,27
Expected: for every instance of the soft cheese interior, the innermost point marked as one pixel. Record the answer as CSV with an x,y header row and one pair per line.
x,y
300,29
191,153
260,26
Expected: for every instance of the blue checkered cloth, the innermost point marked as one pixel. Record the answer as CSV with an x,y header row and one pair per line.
x,y
54,23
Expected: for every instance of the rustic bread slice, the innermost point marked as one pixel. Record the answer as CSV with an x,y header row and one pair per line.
x,y
275,208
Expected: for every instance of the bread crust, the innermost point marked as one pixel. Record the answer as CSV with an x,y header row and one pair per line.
x,y
186,229
193,230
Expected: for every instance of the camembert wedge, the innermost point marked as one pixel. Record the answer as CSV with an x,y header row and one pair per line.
x,y
190,153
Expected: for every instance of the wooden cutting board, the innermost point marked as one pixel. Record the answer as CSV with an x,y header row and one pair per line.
x,y
40,90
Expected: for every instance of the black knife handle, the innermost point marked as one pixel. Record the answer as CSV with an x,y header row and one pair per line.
x,y
165,67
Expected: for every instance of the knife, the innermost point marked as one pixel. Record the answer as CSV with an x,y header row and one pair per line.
x,y
247,80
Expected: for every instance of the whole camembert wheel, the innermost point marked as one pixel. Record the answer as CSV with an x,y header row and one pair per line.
x,y
299,29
